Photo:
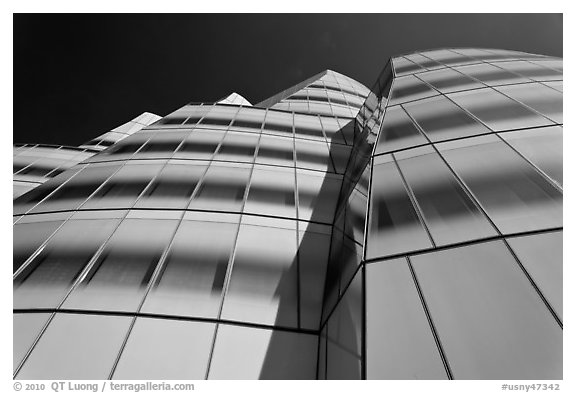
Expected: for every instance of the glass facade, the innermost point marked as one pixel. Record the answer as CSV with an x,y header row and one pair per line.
x,y
408,231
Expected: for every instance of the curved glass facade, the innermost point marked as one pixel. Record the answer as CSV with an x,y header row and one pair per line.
x,y
330,231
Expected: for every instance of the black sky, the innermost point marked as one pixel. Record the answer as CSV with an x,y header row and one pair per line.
x,y
78,76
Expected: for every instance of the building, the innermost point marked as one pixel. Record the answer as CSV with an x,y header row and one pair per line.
x,y
408,231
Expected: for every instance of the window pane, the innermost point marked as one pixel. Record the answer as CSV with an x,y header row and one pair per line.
x,y
25,329
119,277
441,119
222,188
542,146
541,256
491,75
399,341
531,70
272,192
538,97
409,88
398,132
166,349
77,189
173,187
192,276
497,111
404,66
274,150
448,211
316,196
490,320
46,280
448,57
77,347
237,147
274,354
313,155
514,194
313,257
447,80
200,145
124,187
28,237
263,287
394,226
345,334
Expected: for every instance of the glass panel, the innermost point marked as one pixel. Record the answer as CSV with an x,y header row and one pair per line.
x,y
274,150
498,111
173,187
448,57
165,349
313,257
313,155
124,187
541,256
222,188
237,147
394,226
345,334
119,277
531,70
447,80
77,347
441,119
263,284
274,354
25,329
490,320
308,127
46,280
424,61
76,190
399,341
278,123
542,99
542,146
272,192
316,196
514,194
200,145
27,238
404,66
491,75
398,132
192,277
409,88
448,211
332,129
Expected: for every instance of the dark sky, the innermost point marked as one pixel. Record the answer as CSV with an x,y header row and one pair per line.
x,y
78,76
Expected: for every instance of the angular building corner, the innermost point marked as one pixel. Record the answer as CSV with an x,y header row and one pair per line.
x,y
408,231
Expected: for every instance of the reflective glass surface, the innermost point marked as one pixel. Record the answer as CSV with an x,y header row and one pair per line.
x,y
448,211
490,320
393,226
515,195
273,354
166,349
118,278
441,119
498,111
263,283
399,341
191,279
398,132
76,347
